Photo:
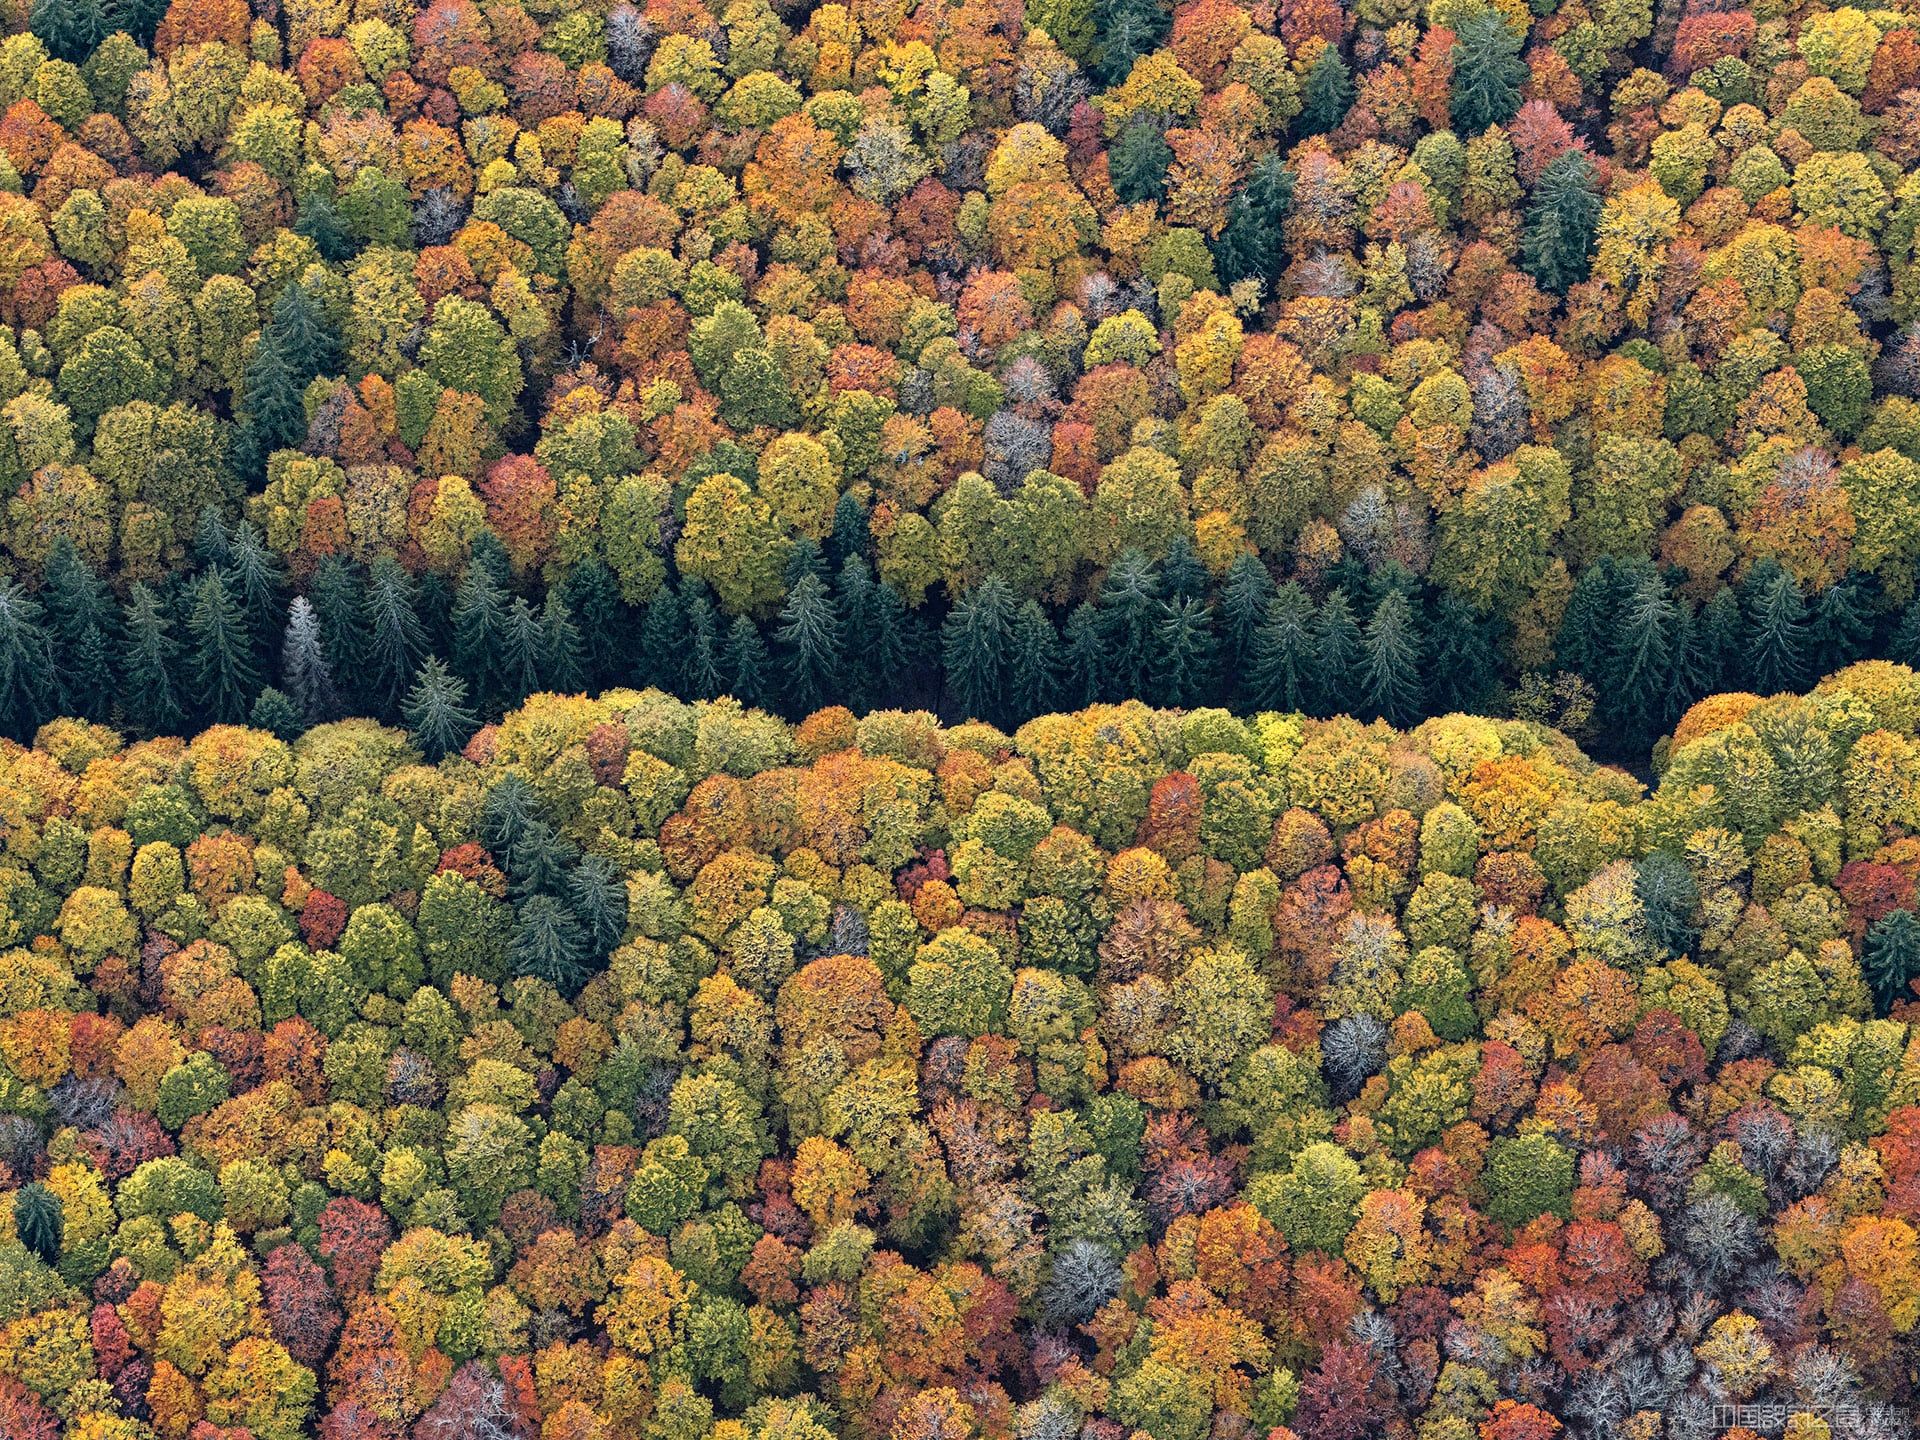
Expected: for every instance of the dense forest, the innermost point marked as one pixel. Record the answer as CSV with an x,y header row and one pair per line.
x,y
662,1070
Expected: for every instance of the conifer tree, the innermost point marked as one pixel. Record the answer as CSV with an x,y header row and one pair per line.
x,y
1327,95
1637,679
704,680
745,663
1392,654
1465,662
304,673
562,666
1244,597
29,688
1586,632
603,620
436,712
1337,657
1890,959
852,531
149,692
39,1221
1563,215
511,805
253,574
1250,244
1182,575
1488,73
339,599
1127,29
395,639
894,647
548,944
224,678
1129,607
662,642
976,648
1184,671
139,18
273,414
1280,674
810,644
523,653
70,29
274,712
212,540
1903,647
597,895
1033,664
806,558
1720,638
1084,663
481,617
1776,630
1137,162
1841,627
854,591
79,617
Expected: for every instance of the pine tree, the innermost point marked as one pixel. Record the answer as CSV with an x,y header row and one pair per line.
x,y
809,644
395,640
274,712
338,597
604,621
1033,664
1244,598
1392,651
1776,630
29,687
1488,73
525,648
976,649
304,672
1280,672
548,944
745,663
1327,95
436,712
562,662
1129,607
1842,624
704,680
480,635
79,617
662,642
1466,664
148,692
1890,959
225,680
1338,681
1250,244
1563,216
1085,662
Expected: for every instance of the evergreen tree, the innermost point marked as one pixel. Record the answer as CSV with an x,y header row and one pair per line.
x,y
1720,636
79,617
662,640
1085,662
806,558
225,680
339,600
1563,216
548,944
855,594
304,672
1890,959
976,648
1488,73
509,808
539,861
1129,606
562,660
1127,29
1903,647
1182,575
1137,162
1585,641
39,1221
745,663
1776,630
273,409
1033,664
852,532
1184,670
1637,679
525,649
1250,244
1466,663
597,895
1338,679
433,607
70,29
604,622
148,692
1327,95
1280,674
139,18
395,639
1841,629
29,687
436,712
253,572
481,617
1392,650
704,680
1691,661
212,541
274,712
1244,598
809,642
895,647
319,221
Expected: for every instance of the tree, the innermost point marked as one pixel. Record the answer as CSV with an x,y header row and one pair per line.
x,y
603,619
1184,669
1137,162
1776,648
662,656
562,655
80,623
39,1221
1563,216
222,666
1126,30
436,712
809,641
70,29
481,635
1391,660
148,692
1032,663
28,684
976,645
1465,665
395,639
1338,656
745,663
304,671
1488,74
1890,960
1280,676
1250,243
1129,615
549,944
1245,596
1637,676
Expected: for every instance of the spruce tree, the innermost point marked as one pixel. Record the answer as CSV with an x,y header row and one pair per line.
x,y
1127,29
1338,681
253,573
548,944
597,895
1563,216
338,595
809,644
1244,597
1129,606
1903,646
1776,630
221,660
436,712
704,680
1890,959
150,659
1585,640
855,592
976,649
1084,663
562,662
604,621
1250,244
895,647
212,542
852,532
661,642
304,673
1327,95
522,654
139,18
29,687
273,412
1636,682
1465,664
274,712
539,861
1720,636
1033,664
480,635
1392,653
745,663
510,806
806,558
39,1221
79,618
70,29
395,640
433,607
1137,162
1841,629
1283,657
1182,575
1187,653
1488,73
